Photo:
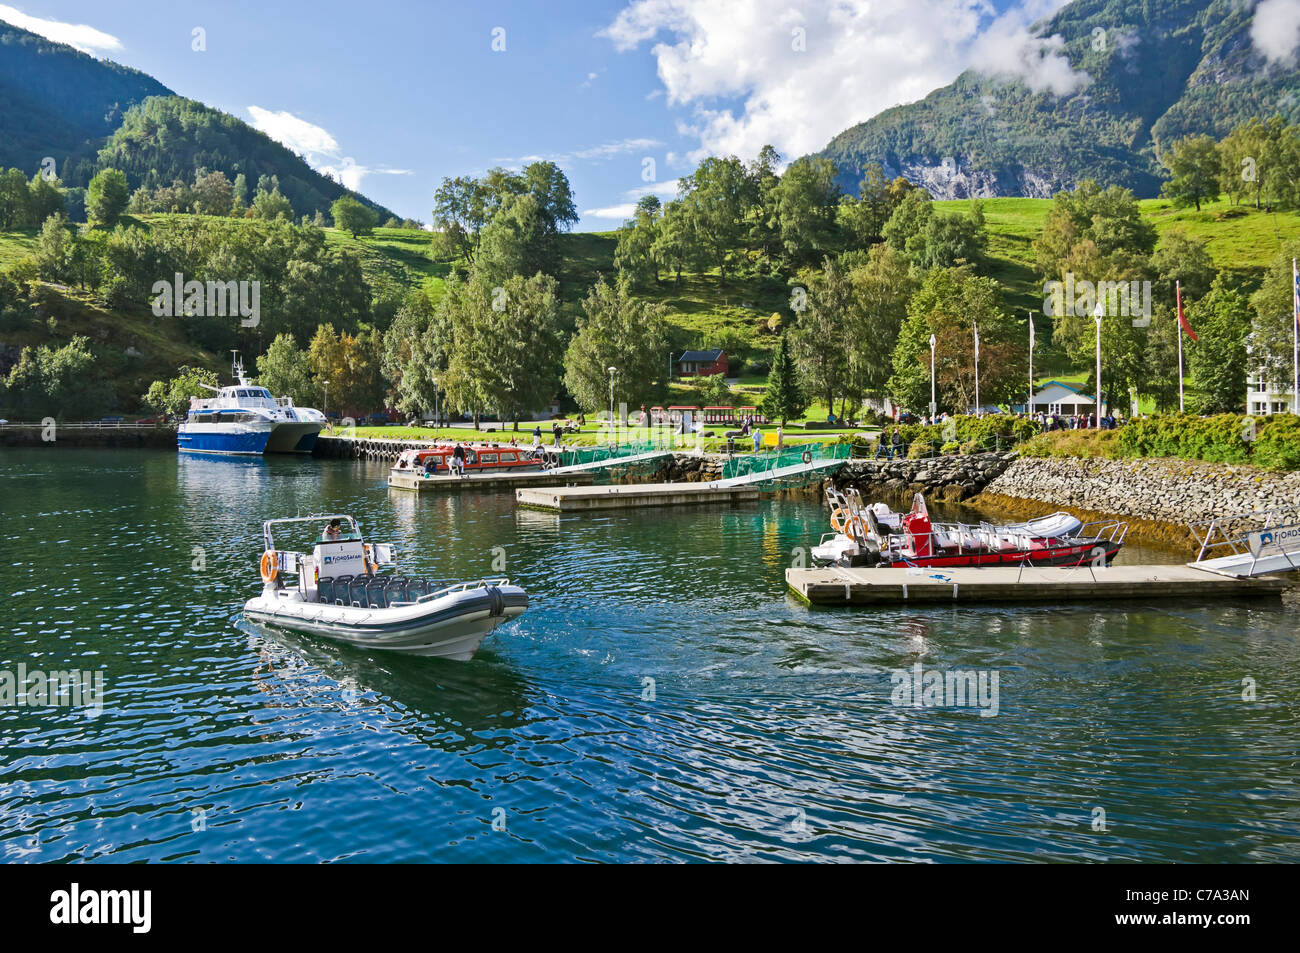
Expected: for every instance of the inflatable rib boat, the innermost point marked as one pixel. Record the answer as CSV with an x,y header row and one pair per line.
x,y
340,594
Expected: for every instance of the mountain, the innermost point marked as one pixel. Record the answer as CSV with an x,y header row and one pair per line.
x,y
59,102
89,114
1144,74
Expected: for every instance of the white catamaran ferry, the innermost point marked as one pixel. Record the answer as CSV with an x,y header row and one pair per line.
x,y
246,419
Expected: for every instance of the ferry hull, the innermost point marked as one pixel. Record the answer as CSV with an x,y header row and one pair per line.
x,y
241,443
293,438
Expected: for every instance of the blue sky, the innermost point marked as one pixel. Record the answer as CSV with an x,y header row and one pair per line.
x,y
395,96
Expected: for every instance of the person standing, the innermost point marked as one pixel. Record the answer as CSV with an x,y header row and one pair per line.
x,y
758,440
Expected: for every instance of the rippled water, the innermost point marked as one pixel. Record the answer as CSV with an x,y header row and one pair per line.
x,y
769,734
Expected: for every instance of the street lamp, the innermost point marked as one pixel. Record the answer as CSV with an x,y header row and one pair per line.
x,y
1098,315
933,406
1029,406
325,402
436,415
611,404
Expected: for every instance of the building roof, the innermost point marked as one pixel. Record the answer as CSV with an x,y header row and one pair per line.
x,y
707,357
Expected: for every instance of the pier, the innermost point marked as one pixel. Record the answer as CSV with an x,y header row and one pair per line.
x,y
836,586
578,474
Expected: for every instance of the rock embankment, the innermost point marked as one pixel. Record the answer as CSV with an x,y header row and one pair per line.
x,y
690,468
956,477
1170,491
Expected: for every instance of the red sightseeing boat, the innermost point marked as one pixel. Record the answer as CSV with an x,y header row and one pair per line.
x,y
479,458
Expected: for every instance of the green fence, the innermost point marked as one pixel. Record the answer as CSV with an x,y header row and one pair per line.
x,y
772,460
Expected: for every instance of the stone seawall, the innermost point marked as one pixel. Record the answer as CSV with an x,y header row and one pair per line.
x,y
952,478
1158,496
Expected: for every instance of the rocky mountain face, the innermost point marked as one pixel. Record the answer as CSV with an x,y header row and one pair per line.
x,y
1140,74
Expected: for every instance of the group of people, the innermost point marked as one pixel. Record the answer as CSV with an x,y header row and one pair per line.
x,y
1077,421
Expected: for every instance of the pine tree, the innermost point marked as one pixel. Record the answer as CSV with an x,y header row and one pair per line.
x,y
785,398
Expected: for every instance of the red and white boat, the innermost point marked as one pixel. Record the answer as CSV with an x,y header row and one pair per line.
x,y
876,536
479,458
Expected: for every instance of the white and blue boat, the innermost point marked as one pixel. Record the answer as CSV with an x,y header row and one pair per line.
x,y
245,419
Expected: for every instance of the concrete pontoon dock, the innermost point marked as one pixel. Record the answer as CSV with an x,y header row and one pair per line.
x,y
585,498
417,481
836,586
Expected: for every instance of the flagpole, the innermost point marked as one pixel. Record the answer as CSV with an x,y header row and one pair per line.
x,y
1295,339
1178,296
977,367
1029,406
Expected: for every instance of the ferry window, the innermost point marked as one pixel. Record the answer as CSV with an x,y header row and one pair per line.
x,y
487,458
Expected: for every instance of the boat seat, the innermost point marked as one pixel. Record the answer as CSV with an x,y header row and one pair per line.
x,y
339,589
325,590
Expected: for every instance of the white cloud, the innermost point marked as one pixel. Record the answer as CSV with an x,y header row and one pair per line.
x,y
619,212
314,143
801,76
668,188
606,150
1275,30
77,35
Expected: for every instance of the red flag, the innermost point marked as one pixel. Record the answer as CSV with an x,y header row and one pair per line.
x,y
1182,319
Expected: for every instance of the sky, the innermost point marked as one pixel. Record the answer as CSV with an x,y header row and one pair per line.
x,y
625,95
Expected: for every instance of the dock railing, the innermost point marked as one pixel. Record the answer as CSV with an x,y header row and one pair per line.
x,y
1249,543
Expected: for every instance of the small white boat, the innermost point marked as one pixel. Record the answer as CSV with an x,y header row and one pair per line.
x,y
340,594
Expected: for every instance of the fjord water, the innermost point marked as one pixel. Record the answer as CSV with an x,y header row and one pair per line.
x,y
662,700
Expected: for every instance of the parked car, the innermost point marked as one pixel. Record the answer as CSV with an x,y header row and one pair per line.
x,y
110,420
150,420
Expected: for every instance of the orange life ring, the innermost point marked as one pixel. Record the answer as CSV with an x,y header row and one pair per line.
x,y
839,519
270,566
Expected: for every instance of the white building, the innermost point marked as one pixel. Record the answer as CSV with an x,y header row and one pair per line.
x,y
1264,397
1058,398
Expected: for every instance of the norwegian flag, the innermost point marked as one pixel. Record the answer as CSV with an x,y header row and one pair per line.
x,y
1295,292
1182,319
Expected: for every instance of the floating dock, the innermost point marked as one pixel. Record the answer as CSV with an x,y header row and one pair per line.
x,y
585,498
863,587
749,486
578,474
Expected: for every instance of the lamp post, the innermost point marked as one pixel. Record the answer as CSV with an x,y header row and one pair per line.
x,y
611,404
977,367
436,415
325,401
933,406
1098,315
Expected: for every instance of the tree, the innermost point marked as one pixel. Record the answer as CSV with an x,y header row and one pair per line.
x,y
351,216
14,199
1185,260
619,331
803,209
1273,323
1108,218
950,303
714,390
515,242
54,249
714,199
882,287
213,194
1218,358
865,216
417,347
784,399
507,346
821,340
1194,165
634,256
56,382
272,205
172,397
285,370
106,197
